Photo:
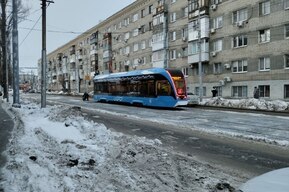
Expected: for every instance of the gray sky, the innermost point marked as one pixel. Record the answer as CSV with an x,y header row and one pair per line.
x,y
63,17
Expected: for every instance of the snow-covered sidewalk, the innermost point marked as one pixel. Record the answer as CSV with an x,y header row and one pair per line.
x,y
57,149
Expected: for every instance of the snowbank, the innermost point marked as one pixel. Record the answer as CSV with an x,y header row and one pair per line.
x,y
57,149
259,104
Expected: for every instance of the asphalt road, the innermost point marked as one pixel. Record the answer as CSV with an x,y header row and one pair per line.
x,y
239,154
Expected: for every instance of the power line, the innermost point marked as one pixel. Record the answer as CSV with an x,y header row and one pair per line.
x,y
30,30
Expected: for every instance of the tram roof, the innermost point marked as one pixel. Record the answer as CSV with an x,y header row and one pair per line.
x,y
131,73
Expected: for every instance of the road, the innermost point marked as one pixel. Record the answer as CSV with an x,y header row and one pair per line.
x,y
209,135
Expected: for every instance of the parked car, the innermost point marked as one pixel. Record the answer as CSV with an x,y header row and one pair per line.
x,y
193,99
276,180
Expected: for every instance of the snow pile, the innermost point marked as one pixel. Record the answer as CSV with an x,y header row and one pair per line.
x,y
57,149
259,104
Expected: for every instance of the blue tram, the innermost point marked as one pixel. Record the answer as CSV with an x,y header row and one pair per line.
x,y
155,87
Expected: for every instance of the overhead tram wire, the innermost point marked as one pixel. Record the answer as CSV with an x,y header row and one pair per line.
x,y
31,29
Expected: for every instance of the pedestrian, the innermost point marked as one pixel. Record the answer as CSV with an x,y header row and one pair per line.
x,y
85,96
214,92
256,93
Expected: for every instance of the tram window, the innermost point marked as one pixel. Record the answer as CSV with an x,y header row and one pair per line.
x,y
151,89
163,88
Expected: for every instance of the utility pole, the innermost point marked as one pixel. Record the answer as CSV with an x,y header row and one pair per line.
x,y
4,50
165,31
15,56
200,55
43,60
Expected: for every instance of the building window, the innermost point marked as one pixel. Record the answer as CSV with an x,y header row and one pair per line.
x,y
264,35
173,1
158,19
159,37
173,17
150,9
135,47
239,91
286,4
126,21
264,64
216,2
217,68
193,5
126,50
197,91
126,36
185,71
240,41
287,31
142,13
184,52
184,32
185,12
173,35
193,48
240,15
150,25
218,45
158,55
217,22
219,90
264,90
135,32
286,91
143,44
264,8
173,54
286,60
240,66
135,17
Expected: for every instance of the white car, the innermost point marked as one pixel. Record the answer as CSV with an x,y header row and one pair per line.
x,y
276,181
193,99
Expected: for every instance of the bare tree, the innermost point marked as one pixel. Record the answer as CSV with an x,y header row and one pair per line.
x,y
6,29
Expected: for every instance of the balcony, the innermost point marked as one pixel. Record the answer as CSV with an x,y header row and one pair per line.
x,y
72,59
160,9
193,33
79,57
158,45
195,58
93,51
72,50
93,57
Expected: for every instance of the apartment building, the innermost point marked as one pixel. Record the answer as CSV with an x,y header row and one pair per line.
x,y
233,45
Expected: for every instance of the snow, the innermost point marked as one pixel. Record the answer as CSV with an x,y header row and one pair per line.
x,y
58,149
251,103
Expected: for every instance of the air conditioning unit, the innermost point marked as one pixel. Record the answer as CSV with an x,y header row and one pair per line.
x,y
214,7
222,82
227,79
227,65
213,30
240,24
213,54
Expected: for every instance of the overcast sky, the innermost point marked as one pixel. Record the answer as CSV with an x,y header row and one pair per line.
x,y
66,19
